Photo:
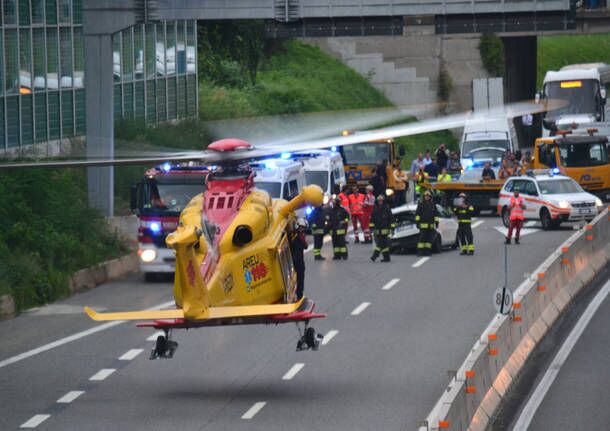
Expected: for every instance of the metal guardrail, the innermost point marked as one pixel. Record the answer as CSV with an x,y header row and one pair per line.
x,y
495,361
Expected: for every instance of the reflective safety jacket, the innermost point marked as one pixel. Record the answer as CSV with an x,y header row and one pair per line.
x,y
344,200
356,202
516,206
464,214
420,180
443,178
339,219
382,220
426,215
317,220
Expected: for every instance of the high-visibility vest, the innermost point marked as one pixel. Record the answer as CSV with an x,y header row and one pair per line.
x,y
421,179
516,212
355,204
344,200
443,178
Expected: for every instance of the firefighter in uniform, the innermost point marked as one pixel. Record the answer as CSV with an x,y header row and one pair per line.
x,y
339,219
318,225
369,204
382,223
356,210
464,214
427,218
298,245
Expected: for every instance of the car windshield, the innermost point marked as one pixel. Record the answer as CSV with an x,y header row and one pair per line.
x,y
485,149
167,196
580,95
583,154
366,153
319,178
555,187
273,188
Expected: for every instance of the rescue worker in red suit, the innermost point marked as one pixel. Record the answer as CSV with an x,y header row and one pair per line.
x,y
356,209
516,205
369,204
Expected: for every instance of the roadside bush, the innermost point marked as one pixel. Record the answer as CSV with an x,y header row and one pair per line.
x,y
492,54
48,232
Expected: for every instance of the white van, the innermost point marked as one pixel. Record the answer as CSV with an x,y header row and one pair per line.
x,y
485,141
323,168
282,179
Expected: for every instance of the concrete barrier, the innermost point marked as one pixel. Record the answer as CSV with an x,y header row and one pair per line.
x,y
472,398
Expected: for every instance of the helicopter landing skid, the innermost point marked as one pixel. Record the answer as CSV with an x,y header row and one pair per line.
x,y
309,339
164,346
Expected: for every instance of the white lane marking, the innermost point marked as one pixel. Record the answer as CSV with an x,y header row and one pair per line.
x,y
478,223
130,354
390,284
70,396
329,336
359,309
34,421
420,262
154,336
551,373
102,374
530,223
71,338
252,411
524,231
293,371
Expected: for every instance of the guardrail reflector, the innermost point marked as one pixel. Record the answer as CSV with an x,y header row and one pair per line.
x,y
493,352
565,249
470,374
517,305
541,275
589,237
492,337
589,227
443,424
541,288
471,389
565,261
516,318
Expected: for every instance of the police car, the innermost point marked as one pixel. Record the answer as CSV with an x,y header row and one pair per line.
x,y
550,198
406,234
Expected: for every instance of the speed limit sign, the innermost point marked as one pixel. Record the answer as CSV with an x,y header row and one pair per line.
x,y
503,300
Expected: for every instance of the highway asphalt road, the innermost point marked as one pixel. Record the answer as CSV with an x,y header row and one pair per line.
x,y
384,368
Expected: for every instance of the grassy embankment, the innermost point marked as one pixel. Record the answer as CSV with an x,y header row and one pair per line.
x,y
557,51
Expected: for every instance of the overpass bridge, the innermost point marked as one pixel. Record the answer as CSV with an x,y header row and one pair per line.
x,y
286,18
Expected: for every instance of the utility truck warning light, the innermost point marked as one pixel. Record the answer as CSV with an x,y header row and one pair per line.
x,y
571,84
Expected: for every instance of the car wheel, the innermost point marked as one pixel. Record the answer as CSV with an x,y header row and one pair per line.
x,y
150,277
505,217
437,245
545,219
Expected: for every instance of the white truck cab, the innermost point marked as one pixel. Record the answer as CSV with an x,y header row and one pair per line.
x,y
281,178
485,141
550,198
323,168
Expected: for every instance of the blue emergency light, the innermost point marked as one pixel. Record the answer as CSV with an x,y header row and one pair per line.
x,y
166,167
308,210
285,156
155,227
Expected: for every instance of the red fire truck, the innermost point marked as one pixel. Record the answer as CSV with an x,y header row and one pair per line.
x,y
158,200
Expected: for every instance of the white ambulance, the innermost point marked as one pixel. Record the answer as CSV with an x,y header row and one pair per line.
x,y
281,178
323,168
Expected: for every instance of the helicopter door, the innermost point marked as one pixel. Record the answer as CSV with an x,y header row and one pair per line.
x,y
289,276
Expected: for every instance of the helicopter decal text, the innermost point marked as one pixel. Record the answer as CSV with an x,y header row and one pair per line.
x,y
255,270
190,273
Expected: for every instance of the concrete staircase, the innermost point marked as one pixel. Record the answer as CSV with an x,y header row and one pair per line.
x,y
406,72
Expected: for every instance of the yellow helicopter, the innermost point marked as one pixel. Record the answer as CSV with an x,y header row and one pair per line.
x,y
233,260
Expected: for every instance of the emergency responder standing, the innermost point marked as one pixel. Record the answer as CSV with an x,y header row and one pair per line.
x,y
356,210
298,245
369,204
339,219
421,178
427,218
516,205
318,226
382,223
464,213
343,197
